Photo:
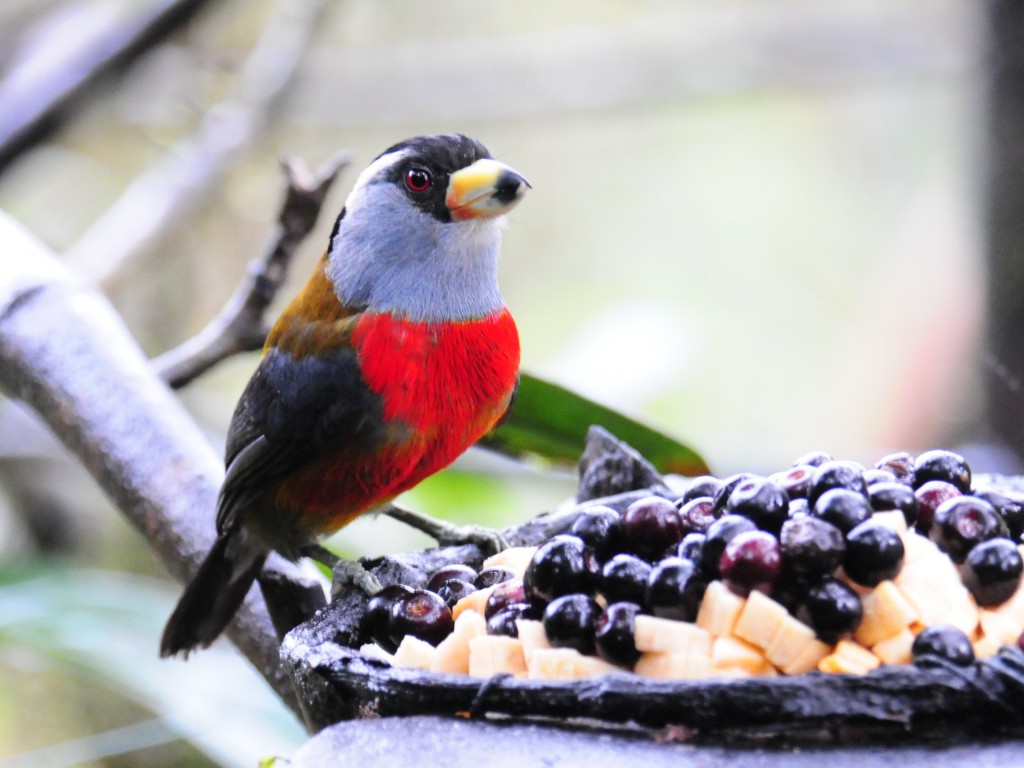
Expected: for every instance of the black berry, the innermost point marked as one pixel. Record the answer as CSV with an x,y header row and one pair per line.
x,y
650,527
836,474
562,565
894,495
813,459
751,560
811,546
691,546
901,465
762,501
930,496
992,571
1007,507
455,571
624,578
377,618
454,590
614,635
963,522
491,576
511,592
421,614
873,553
600,528
831,609
705,485
697,515
674,589
570,621
943,641
844,508
943,465
721,532
796,482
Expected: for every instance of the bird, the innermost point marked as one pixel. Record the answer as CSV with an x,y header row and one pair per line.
x,y
397,355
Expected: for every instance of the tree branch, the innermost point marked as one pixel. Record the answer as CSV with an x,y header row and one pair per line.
x,y
56,73
240,326
66,353
179,182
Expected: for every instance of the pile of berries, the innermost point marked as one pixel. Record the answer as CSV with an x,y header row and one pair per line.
x,y
805,537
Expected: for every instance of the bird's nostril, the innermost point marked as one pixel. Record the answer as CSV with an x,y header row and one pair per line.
x,y
508,189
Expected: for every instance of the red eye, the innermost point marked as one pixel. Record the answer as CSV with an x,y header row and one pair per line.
x,y
418,180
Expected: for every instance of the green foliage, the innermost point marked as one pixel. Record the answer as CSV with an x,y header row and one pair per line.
x,y
102,628
550,421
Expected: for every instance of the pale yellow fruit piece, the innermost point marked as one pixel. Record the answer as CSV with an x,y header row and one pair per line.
x,y
933,587
474,601
733,654
987,646
759,620
566,664
532,636
414,653
998,625
849,658
496,655
895,649
809,658
516,559
452,653
552,664
917,547
791,639
668,665
892,519
719,609
887,611
665,635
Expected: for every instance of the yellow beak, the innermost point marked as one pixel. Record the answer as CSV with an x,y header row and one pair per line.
x,y
485,188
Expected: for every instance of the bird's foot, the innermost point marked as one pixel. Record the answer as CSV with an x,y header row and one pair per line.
x,y
448,534
345,572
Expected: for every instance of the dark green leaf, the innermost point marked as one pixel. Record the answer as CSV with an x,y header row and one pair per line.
x,y
551,421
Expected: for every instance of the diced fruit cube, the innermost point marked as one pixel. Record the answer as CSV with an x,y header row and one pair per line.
x,y
893,519
719,609
808,659
933,587
1000,626
895,649
731,653
514,558
886,612
666,635
566,664
790,640
759,620
532,636
415,653
668,665
987,646
849,658
496,654
474,601
452,653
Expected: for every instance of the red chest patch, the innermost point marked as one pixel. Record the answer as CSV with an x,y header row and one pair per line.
x,y
449,382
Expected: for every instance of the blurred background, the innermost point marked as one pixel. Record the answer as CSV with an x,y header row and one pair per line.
x,y
760,228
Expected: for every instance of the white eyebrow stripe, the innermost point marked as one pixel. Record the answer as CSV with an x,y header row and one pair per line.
x,y
378,166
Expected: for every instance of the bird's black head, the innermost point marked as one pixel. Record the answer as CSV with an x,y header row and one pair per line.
x,y
425,166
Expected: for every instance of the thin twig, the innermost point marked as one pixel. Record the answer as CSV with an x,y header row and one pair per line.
x,y
241,326
62,68
179,182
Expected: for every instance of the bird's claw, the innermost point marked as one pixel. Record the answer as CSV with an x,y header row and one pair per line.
x,y
345,572
490,540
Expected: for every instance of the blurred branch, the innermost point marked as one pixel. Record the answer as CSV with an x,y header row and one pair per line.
x,y
240,326
65,352
184,176
68,54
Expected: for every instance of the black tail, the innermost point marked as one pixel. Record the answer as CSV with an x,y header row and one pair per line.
x,y
214,594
